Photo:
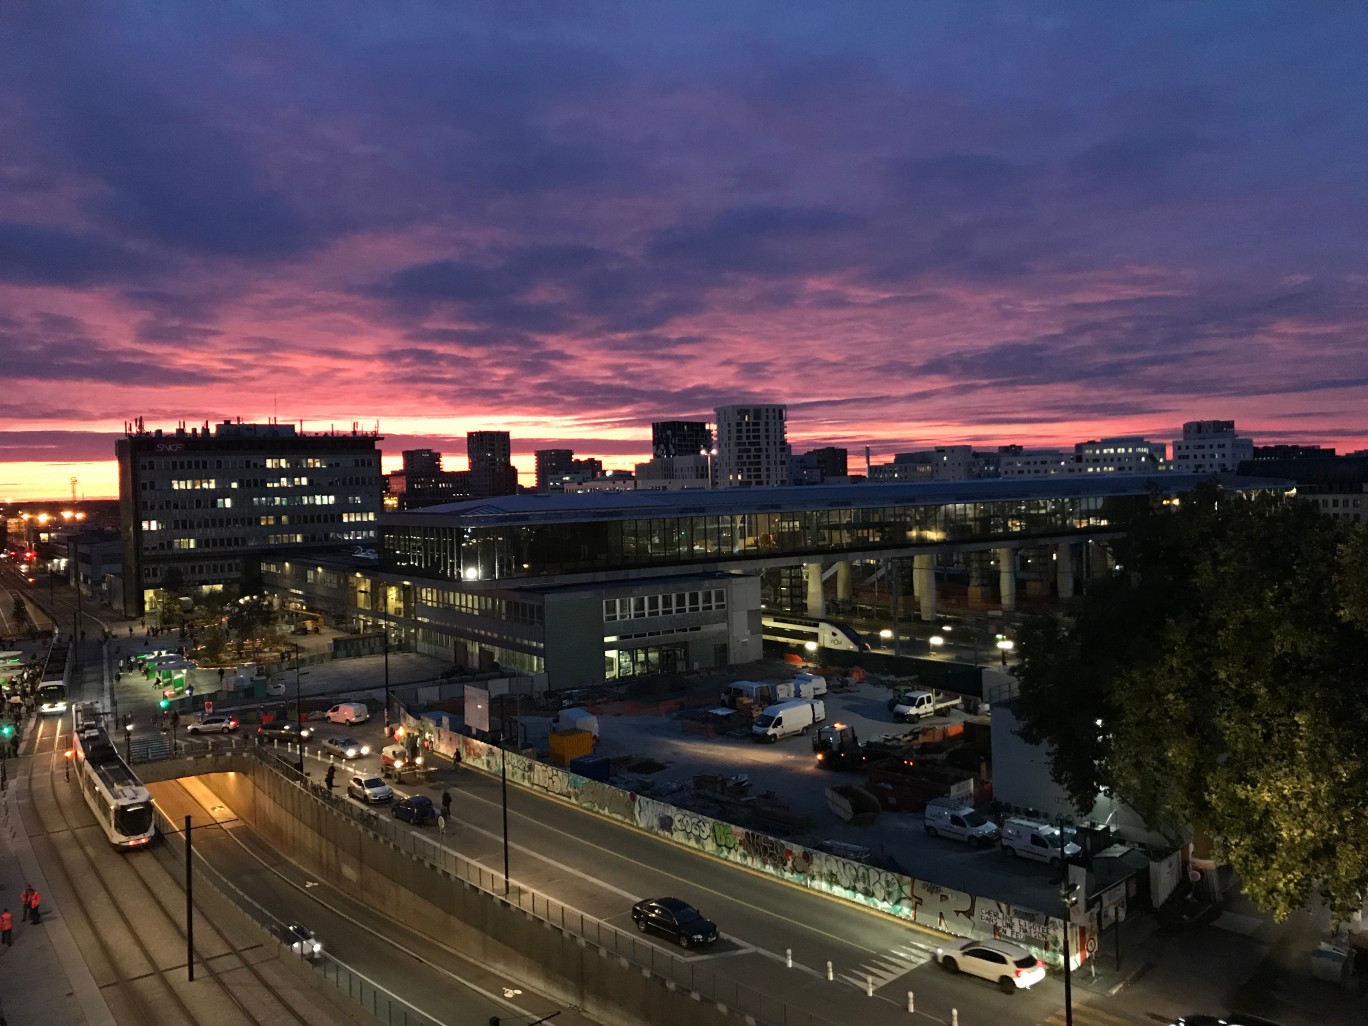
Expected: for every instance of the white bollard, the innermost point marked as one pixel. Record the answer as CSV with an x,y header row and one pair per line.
x,y
954,1017
788,956
911,1005
830,974
869,986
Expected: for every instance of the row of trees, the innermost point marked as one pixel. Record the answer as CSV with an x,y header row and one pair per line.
x,y
1218,681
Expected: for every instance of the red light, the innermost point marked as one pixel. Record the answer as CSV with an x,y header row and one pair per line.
x,y
168,692
232,723
29,555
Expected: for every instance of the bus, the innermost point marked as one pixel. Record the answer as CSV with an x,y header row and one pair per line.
x,y
121,804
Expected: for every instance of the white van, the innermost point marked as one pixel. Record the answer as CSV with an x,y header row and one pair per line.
x,y
787,719
951,817
348,712
1033,840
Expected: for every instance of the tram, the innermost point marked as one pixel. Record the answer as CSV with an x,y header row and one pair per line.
x,y
799,631
52,690
122,806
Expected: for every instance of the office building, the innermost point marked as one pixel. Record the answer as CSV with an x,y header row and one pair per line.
x,y
752,448
1293,452
674,473
553,463
1210,447
1337,485
423,482
680,438
491,464
210,504
1015,461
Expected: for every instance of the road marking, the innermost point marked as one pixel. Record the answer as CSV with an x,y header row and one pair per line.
x,y
896,962
386,938
1088,1015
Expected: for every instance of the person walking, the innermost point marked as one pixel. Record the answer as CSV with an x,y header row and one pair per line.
x,y
35,915
6,928
446,804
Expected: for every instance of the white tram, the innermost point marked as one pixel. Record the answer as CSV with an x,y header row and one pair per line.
x,y
118,799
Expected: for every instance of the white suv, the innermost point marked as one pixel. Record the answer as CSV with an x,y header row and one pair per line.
x,y
1012,968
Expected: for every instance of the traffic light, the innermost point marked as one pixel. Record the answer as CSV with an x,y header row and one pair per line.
x,y
165,703
7,731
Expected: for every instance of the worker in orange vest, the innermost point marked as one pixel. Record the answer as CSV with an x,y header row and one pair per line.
x,y
34,900
6,928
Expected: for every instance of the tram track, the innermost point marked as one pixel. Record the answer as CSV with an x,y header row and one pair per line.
x,y
143,979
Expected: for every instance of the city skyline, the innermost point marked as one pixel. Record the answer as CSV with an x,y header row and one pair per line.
x,y
910,227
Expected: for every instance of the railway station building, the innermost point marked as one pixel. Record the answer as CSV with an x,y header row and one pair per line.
x,y
587,587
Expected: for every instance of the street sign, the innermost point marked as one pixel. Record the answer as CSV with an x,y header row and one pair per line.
x,y
1092,945
208,707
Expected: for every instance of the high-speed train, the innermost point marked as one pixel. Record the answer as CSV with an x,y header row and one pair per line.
x,y
118,799
799,631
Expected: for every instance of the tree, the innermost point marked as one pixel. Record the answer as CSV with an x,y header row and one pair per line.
x,y
1226,664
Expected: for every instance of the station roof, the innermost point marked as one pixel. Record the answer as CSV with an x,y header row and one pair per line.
x,y
589,506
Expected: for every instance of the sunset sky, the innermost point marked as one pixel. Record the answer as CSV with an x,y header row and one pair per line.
x,y
914,223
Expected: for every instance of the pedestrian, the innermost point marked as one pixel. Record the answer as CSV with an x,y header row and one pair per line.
x,y
441,829
446,803
331,775
35,899
6,928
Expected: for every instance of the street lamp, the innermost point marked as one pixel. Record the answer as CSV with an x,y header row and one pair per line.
x,y
885,634
299,708
935,641
1005,645
128,741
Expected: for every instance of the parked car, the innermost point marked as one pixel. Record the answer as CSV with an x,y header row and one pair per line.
x,y
348,712
346,747
369,789
676,919
1032,840
213,725
275,688
1011,967
416,809
302,941
951,817
283,730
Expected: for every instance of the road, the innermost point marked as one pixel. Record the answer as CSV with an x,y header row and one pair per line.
x,y
601,868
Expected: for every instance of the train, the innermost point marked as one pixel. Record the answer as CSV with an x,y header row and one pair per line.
x,y
52,690
802,631
121,804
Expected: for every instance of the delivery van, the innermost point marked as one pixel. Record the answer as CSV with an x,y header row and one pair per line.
x,y
348,712
787,719
951,817
1034,840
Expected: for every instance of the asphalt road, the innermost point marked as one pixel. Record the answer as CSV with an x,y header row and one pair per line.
x,y
602,868
432,979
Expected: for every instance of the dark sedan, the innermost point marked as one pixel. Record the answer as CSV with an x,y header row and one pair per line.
x,y
417,809
676,919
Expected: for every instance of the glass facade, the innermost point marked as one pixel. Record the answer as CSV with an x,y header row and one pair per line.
x,y
453,552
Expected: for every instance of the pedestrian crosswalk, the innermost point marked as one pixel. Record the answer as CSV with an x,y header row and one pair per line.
x,y
888,966
1089,1015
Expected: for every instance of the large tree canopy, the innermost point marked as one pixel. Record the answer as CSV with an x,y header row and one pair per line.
x,y
1218,680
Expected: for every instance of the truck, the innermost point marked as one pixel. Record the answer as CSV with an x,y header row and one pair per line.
x,y
395,762
755,692
838,748
911,706
786,719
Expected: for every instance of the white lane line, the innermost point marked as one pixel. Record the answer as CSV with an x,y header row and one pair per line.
x,y
307,890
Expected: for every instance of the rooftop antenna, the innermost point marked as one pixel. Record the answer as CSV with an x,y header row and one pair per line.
x,y
73,489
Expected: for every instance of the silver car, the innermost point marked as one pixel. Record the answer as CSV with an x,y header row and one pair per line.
x,y
370,789
346,747
302,942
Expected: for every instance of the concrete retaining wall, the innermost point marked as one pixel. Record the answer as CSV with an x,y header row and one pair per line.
x,y
452,912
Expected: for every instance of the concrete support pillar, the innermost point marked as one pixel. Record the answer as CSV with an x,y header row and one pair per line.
x,y
816,602
1064,570
1007,581
844,591
924,584
1098,559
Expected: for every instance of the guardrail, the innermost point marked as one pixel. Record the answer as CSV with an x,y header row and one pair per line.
x,y
371,996
641,953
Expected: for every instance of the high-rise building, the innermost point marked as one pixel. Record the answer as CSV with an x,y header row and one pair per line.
x,y
680,438
552,463
420,462
752,449
491,464
210,505
1210,447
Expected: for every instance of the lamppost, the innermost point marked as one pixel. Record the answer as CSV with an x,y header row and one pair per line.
x,y
128,741
299,708
387,682
1068,892
1005,645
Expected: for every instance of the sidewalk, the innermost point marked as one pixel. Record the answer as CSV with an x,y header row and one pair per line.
x,y
45,978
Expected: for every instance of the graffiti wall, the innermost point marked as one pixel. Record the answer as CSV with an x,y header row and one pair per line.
x,y
927,904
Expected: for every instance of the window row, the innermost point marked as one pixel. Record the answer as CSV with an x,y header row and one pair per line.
x,y
669,604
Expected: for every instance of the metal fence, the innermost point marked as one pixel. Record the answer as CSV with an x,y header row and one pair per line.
x,y
371,996
631,947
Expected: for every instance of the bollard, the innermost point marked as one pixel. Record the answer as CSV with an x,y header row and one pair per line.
x,y
869,986
911,1005
788,956
954,1017
830,975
